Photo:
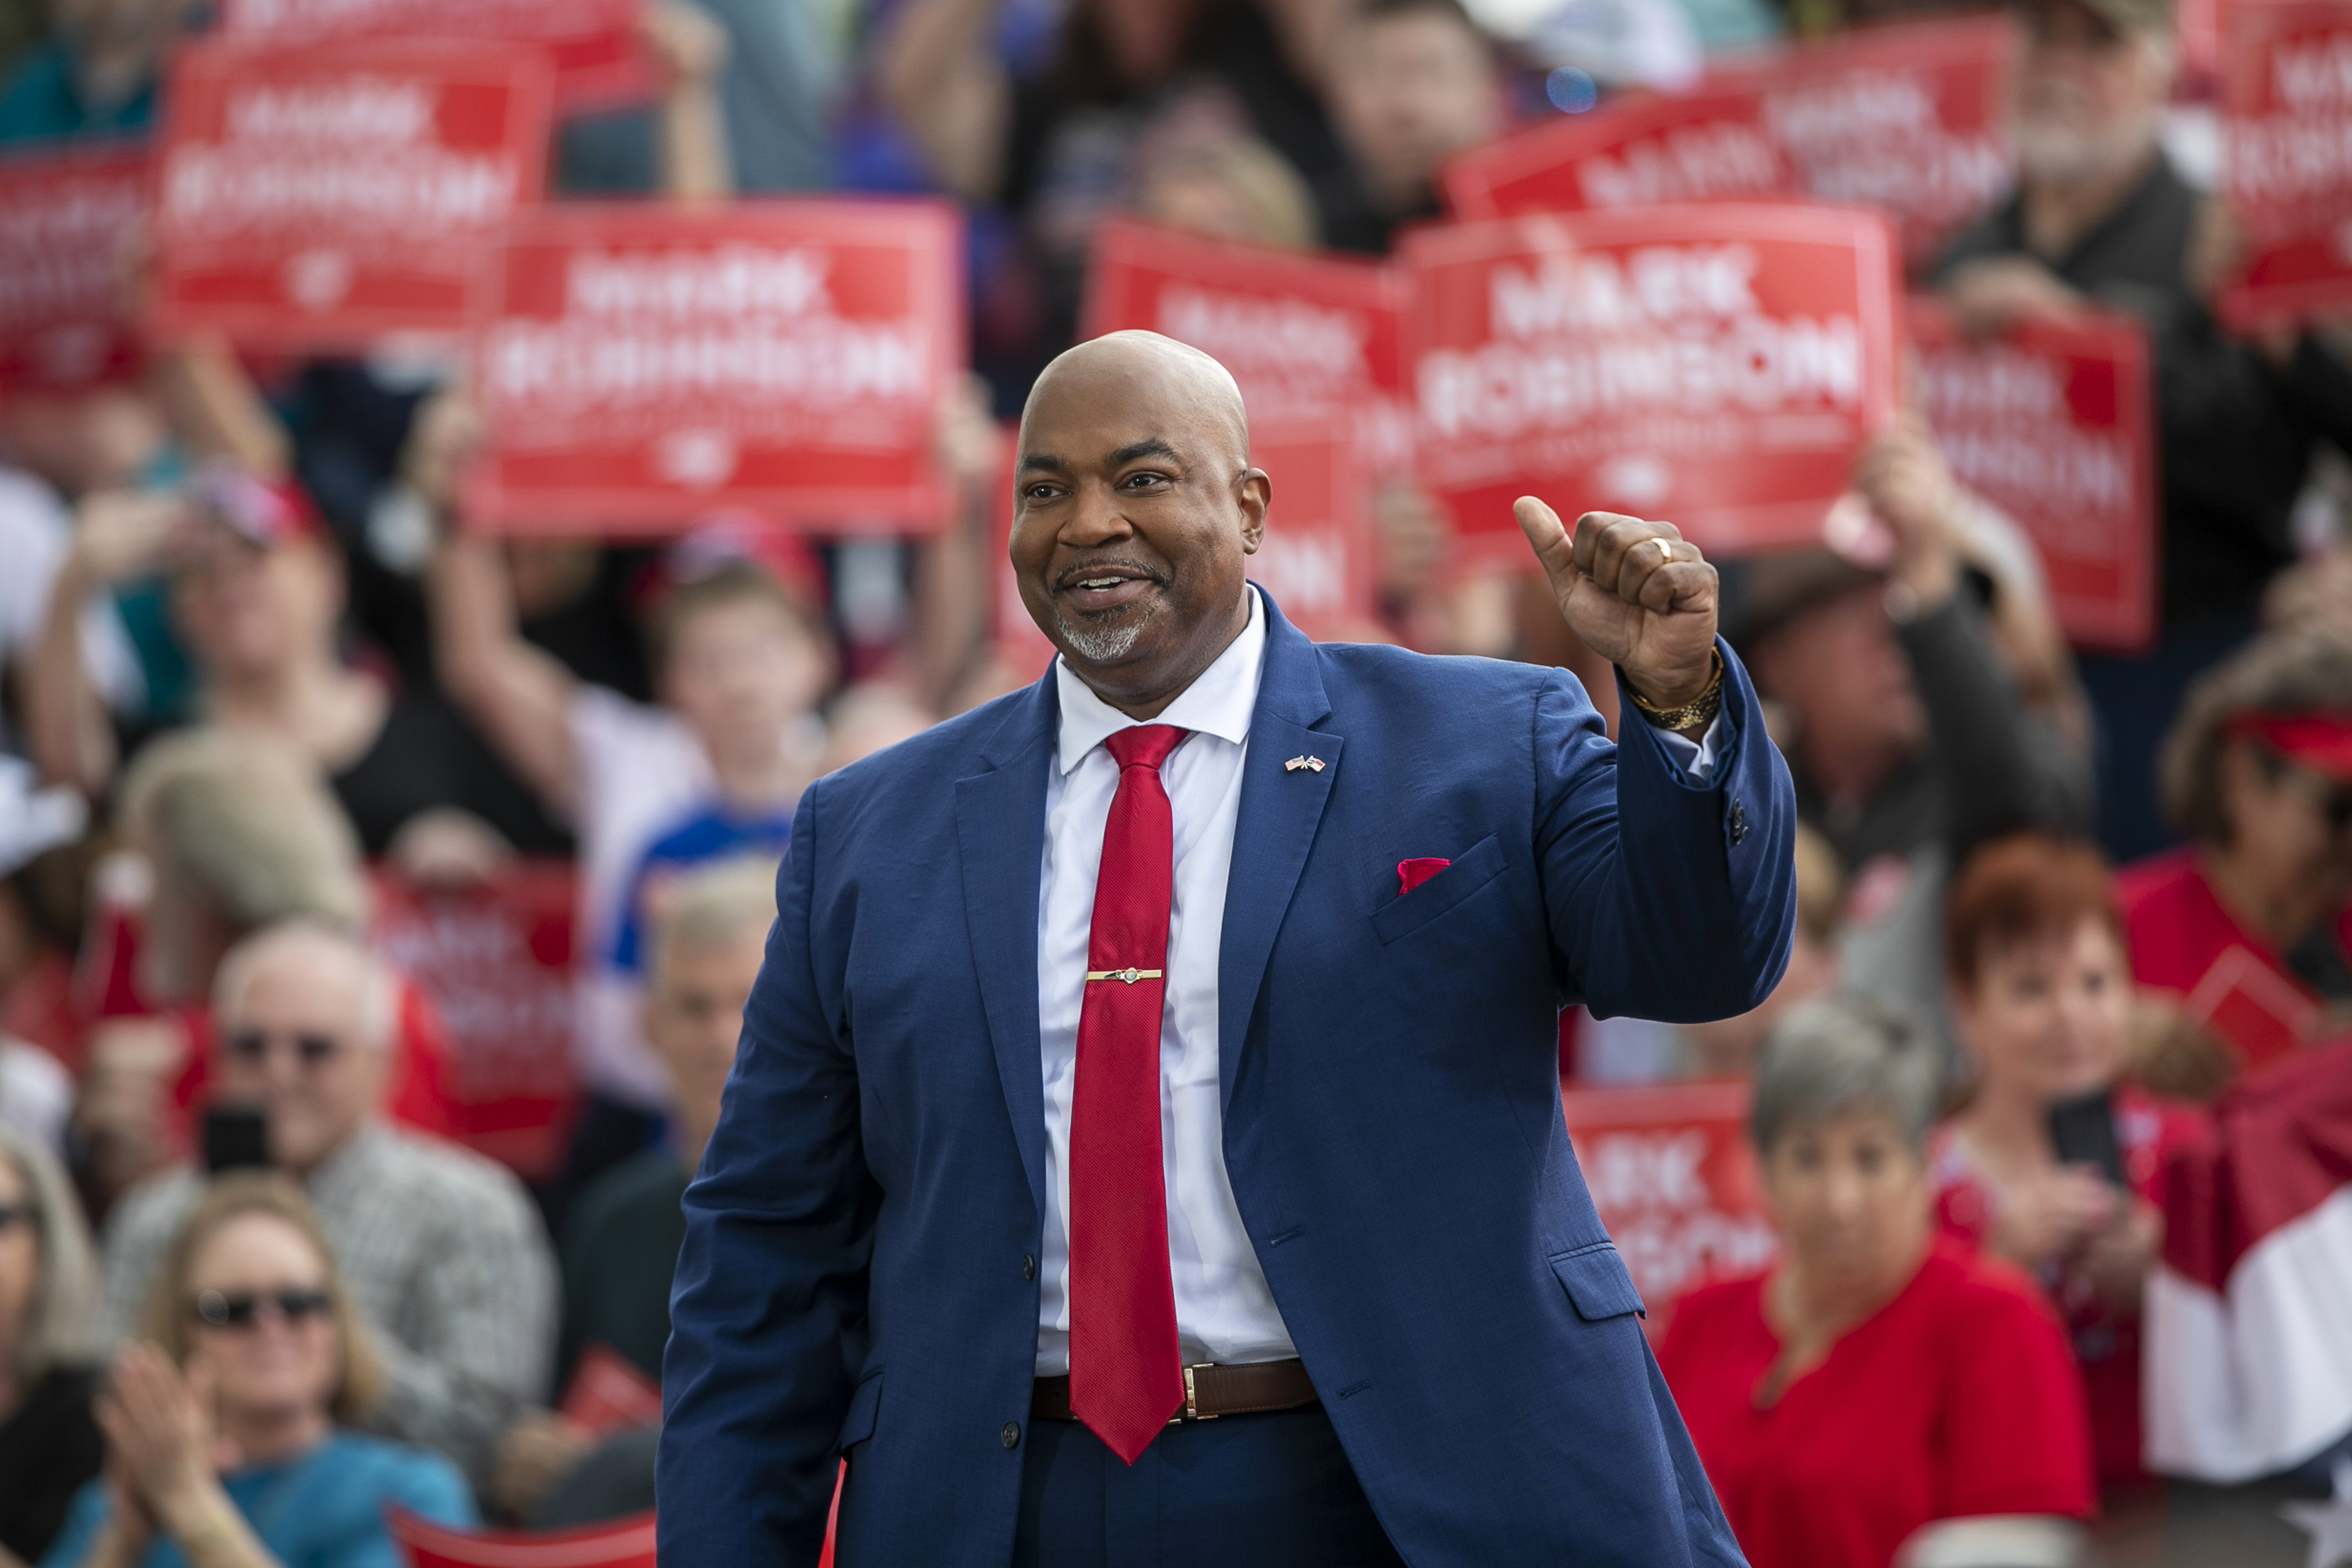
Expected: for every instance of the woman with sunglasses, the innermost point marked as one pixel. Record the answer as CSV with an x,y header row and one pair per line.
x,y
2251,924
48,1442
226,1422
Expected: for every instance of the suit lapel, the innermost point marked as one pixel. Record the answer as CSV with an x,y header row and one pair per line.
x,y
1000,836
1280,810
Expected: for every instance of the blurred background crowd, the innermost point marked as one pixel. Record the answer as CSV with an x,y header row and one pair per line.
x,y
258,683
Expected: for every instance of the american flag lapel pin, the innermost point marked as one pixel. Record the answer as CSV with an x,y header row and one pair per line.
x,y
1294,763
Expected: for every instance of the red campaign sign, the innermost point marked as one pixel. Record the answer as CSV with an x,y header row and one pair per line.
x,y
64,217
1716,365
2051,423
1316,559
1673,1178
593,44
643,367
1306,336
323,196
1907,117
2287,155
497,963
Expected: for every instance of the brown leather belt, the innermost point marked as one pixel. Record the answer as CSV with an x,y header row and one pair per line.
x,y
1248,1388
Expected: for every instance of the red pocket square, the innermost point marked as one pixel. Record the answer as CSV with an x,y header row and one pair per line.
x,y
1413,873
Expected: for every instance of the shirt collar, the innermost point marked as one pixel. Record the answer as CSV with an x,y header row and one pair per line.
x,y
1219,702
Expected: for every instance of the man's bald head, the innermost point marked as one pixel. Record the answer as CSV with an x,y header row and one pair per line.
x,y
1123,362
1135,510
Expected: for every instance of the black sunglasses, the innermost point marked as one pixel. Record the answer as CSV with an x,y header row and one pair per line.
x,y
252,1047
239,1308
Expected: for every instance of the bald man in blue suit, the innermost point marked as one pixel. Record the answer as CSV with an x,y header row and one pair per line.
x,y
1387,1326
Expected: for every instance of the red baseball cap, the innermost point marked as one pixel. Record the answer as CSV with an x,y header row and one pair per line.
x,y
2320,742
260,512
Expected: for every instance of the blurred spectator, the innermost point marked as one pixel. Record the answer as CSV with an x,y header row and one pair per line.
x,y
1879,1386
256,592
1415,82
1228,187
223,838
1908,736
714,771
48,1438
96,74
2102,216
226,1421
620,1240
2041,990
741,107
2250,926
444,1254
1058,148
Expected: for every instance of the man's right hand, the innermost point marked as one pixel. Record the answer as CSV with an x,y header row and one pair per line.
x,y
1994,294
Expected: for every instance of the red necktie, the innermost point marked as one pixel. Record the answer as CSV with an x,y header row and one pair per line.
x,y
1124,1374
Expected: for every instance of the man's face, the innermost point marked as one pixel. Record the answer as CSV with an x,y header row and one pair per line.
x,y
1837,667
297,1043
740,671
249,610
694,1012
2088,95
1136,509
1413,89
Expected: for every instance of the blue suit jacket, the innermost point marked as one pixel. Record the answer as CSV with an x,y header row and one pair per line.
x,y
853,1278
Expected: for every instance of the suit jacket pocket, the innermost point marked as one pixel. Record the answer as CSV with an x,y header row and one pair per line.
x,y
1471,871
1596,1281
859,1425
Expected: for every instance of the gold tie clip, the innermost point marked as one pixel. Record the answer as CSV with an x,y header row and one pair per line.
x,y
1129,975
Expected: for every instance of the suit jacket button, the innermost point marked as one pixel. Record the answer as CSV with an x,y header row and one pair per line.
x,y
1028,1266
1011,1436
1739,822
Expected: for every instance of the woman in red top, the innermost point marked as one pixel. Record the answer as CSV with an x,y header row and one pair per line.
x,y
1880,1386
2251,925
2035,958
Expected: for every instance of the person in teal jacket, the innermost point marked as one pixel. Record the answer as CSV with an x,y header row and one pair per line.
x,y
226,1421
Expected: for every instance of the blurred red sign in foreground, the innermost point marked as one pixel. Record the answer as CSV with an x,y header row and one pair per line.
x,y
2050,424
497,963
1671,1174
592,43
63,219
2287,155
642,368
1907,117
324,196
1306,336
1719,364
1316,559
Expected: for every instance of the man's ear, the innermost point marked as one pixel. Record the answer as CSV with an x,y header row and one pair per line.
x,y
1256,494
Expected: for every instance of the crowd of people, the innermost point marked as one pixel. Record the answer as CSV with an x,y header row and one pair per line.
x,y
2053,904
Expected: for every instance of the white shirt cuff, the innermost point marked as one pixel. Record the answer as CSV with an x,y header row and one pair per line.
x,y
1696,758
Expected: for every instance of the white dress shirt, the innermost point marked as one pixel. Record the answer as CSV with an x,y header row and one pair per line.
x,y
1224,1310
